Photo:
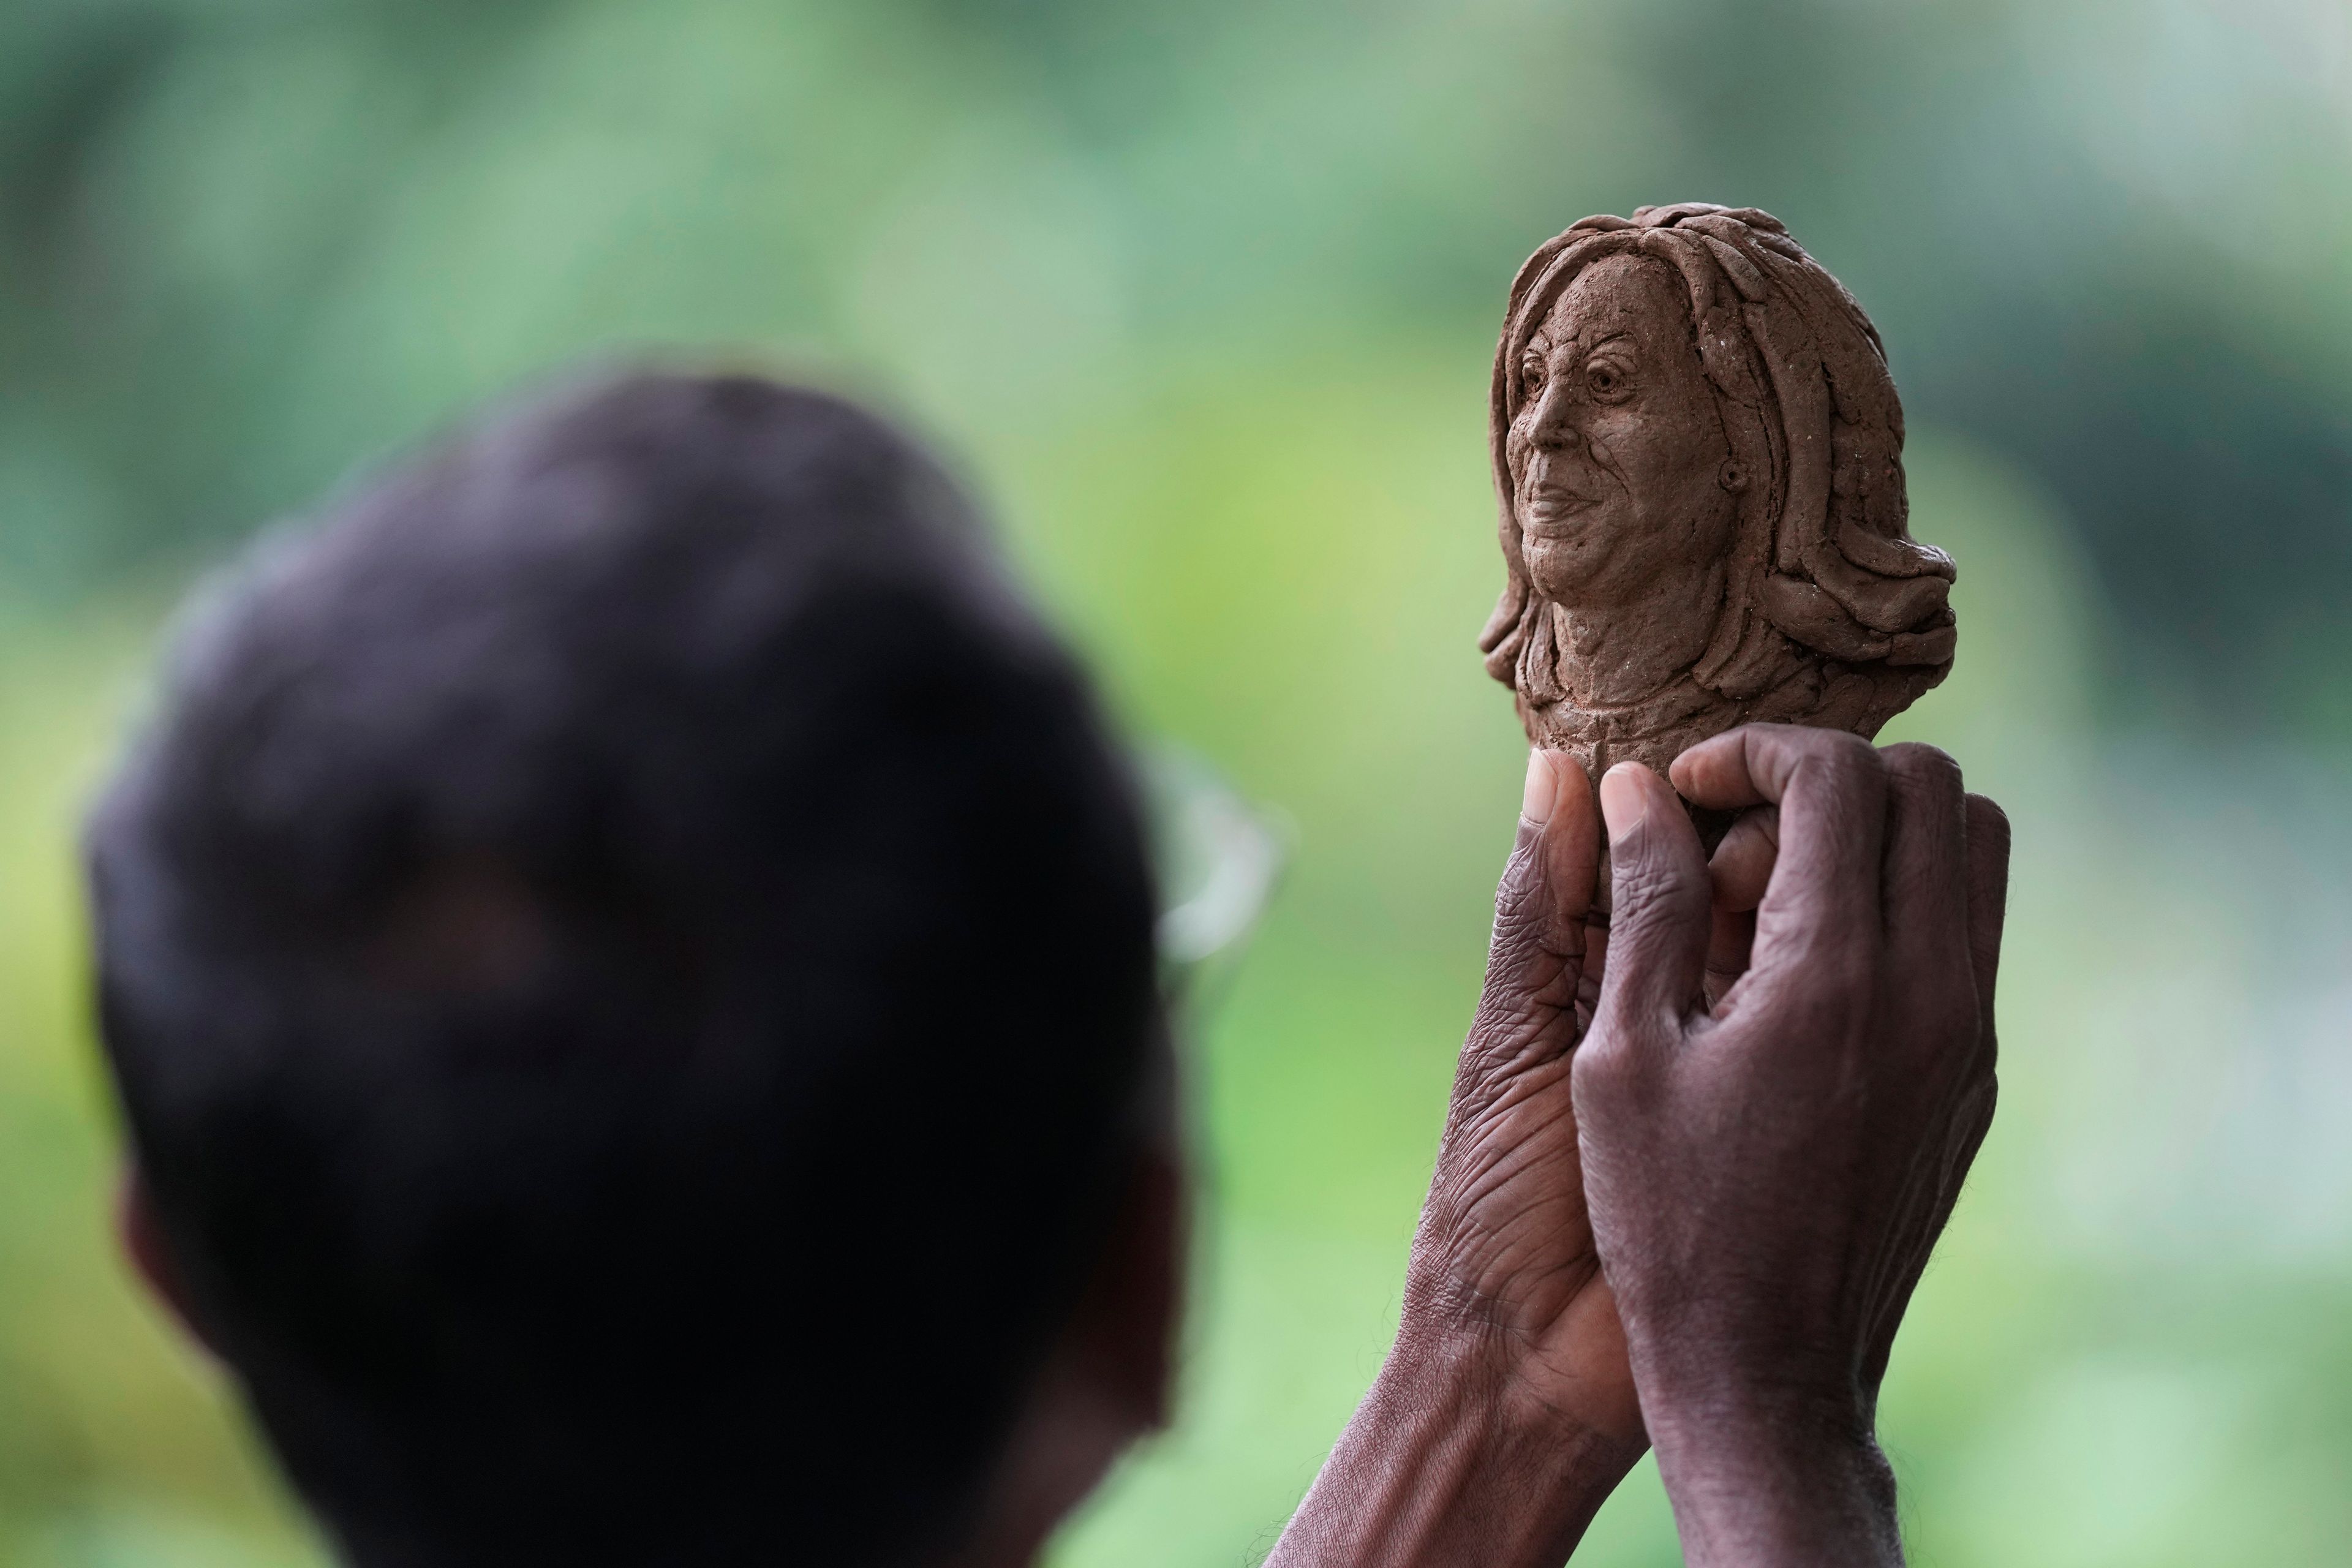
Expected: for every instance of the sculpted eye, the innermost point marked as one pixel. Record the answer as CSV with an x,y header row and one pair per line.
x,y
1607,382
1532,371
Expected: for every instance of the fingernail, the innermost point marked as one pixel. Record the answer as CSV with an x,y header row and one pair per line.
x,y
1623,801
1535,807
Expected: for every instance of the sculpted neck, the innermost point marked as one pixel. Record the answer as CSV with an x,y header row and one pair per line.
x,y
1620,653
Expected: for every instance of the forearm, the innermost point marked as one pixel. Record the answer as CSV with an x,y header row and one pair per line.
x,y
1756,1492
1441,1466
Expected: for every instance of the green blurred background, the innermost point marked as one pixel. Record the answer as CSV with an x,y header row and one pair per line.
x,y
1200,297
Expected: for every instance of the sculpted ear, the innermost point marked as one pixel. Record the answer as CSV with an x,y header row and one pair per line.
x,y
140,1233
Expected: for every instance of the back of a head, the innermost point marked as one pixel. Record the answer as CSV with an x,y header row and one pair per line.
x,y
627,957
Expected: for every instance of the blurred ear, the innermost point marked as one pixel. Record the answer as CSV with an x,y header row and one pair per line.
x,y
1109,1379
142,1236
1125,1334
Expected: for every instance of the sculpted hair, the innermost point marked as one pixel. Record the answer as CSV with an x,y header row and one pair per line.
x,y
627,957
1824,567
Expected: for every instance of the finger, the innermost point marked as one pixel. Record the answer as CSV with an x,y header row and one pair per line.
x,y
1527,1004
1831,788
1720,774
1731,936
1741,865
1570,830
1923,886
1658,924
1987,877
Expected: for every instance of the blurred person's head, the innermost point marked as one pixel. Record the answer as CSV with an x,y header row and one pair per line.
x,y
627,957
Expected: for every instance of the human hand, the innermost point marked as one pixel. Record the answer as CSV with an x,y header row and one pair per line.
x,y
1506,1250
1505,1414
1504,1265
1770,1158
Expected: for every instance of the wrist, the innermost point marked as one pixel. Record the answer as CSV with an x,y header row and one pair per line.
x,y
1447,1461
1521,1391
1463,1403
1787,1479
1481,1380
1558,1361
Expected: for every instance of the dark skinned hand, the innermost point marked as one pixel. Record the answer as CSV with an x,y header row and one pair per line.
x,y
1505,1256
1507,1411
1775,1119
1515,1399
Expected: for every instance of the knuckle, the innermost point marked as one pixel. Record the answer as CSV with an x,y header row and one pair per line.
x,y
1603,1069
1820,744
1852,756
1847,766
1916,766
1988,821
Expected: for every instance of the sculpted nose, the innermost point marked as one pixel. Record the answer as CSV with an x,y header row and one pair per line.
x,y
1551,422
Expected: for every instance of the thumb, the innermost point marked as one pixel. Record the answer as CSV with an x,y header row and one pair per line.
x,y
1661,899
1535,954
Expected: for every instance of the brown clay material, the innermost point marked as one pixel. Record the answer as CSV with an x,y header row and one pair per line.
x,y
1699,457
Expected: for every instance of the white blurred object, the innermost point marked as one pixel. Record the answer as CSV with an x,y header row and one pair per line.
x,y
1218,858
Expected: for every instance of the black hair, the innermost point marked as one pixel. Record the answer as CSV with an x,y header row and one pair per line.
x,y
627,959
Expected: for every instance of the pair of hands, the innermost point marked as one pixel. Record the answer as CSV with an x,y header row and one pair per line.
x,y
1697,1154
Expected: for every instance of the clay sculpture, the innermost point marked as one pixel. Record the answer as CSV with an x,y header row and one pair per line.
x,y
1698,453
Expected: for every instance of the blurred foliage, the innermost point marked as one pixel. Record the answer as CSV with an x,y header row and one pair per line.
x,y
244,241
1201,296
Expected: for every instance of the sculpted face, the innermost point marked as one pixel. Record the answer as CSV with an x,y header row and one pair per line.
x,y
1621,472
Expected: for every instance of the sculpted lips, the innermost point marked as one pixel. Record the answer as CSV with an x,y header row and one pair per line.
x,y
1549,501
1555,504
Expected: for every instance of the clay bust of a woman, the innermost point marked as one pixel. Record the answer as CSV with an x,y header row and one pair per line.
x,y
1699,454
